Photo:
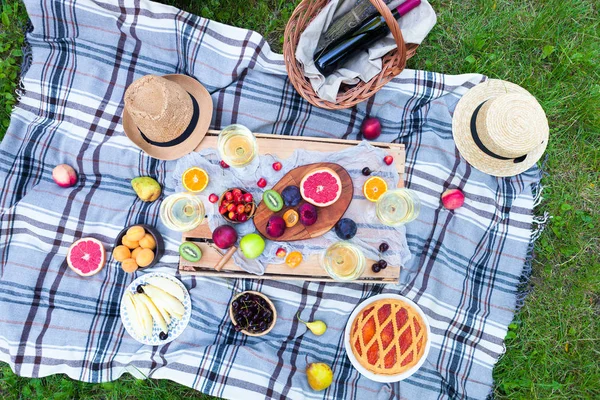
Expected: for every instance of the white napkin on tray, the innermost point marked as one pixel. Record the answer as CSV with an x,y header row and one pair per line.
x,y
366,64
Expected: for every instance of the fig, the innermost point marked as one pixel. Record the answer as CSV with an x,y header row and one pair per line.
x,y
224,236
291,196
308,214
275,226
273,200
345,229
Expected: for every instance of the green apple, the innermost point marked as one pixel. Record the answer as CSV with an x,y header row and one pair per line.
x,y
252,245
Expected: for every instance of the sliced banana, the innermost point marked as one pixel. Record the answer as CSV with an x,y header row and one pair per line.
x,y
165,300
129,307
144,315
168,286
156,315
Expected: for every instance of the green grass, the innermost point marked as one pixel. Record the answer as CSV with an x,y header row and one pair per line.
x,y
550,47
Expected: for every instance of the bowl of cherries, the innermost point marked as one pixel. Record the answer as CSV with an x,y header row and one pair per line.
x,y
252,313
237,205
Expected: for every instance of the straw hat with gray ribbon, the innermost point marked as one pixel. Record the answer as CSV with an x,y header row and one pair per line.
x,y
500,128
167,116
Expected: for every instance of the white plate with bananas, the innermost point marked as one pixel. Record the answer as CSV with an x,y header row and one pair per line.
x,y
156,308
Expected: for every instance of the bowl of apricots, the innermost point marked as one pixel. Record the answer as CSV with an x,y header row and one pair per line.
x,y
138,246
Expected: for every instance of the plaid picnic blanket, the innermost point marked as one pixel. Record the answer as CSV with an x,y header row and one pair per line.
x,y
466,268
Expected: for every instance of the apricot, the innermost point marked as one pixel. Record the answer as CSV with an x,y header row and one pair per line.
x,y
132,244
121,252
135,252
129,265
148,242
135,233
144,257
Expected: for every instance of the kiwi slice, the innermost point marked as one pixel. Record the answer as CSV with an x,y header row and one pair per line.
x,y
273,200
190,251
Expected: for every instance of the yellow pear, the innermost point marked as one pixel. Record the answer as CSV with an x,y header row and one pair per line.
x,y
319,376
146,188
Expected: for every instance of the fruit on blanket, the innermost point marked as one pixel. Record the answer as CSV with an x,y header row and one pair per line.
x,y
293,259
291,196
453,199
64,175
146,188
262,182
319,376
121,253
159,297
194,179
224,236
213,198
168,286
345,229
275,226
316,327
129,265
223,164
388,160
277,166
273,200
308,214
374,187
86,256
383,247
144,257
190,251
366,171
136,233
148,242
371,128
132,244
291,218
252,245
321,187
281,252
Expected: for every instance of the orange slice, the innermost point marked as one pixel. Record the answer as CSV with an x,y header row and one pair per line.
x,y
291,218
194,179
374,187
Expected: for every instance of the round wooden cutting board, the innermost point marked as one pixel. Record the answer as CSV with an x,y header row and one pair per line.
x,y
327,217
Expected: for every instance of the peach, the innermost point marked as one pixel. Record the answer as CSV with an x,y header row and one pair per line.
x,y
144,257
453,199
135,233
64,175
132,244
129,265
148,242
121,253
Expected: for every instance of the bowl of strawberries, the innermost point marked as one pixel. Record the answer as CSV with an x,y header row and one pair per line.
x,y
237,205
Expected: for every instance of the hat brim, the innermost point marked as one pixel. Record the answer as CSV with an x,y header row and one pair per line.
x,y
199,92
461,131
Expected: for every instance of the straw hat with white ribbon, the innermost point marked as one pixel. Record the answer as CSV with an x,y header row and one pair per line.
x,y
167,116
500,128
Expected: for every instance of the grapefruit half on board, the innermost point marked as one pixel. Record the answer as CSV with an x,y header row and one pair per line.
x,y
86,256
321,187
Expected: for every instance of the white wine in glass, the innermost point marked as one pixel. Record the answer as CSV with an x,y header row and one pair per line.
x,y
237,145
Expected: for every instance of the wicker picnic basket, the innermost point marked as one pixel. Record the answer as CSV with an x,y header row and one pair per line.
x,y
392,63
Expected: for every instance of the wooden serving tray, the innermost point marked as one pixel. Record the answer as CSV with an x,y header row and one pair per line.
x,y
327,217
310,269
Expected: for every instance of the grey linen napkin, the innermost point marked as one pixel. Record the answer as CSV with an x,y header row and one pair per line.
x,y
366,64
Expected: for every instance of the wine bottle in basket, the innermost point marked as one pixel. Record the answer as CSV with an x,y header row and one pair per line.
x,y
329,59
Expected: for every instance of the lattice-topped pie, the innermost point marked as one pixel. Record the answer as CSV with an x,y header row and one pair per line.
x,y
388,337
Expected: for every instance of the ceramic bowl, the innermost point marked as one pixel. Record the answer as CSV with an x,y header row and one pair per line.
x,y
160,244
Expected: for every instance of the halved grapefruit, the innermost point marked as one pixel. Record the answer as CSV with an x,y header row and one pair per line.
x,y
321,187
86,256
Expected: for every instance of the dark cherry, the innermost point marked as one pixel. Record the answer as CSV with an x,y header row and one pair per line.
x,y
376,268
382,264
237,328
235,305
139,289
163,335
366,171
383,247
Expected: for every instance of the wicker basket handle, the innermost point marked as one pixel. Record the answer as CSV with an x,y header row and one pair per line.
x,y
396,32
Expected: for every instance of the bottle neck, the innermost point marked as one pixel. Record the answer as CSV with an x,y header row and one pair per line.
x,y
404,8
